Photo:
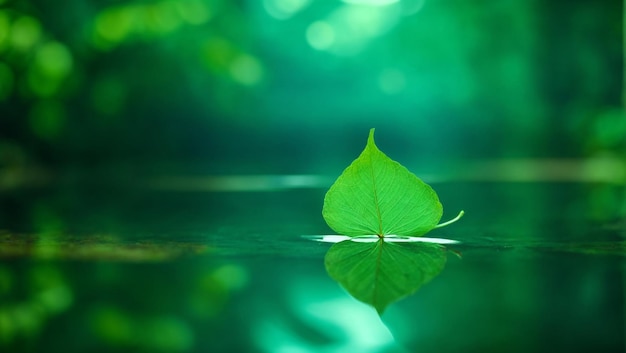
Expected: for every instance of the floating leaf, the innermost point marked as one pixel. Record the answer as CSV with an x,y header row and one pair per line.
x,y
381,273
376,195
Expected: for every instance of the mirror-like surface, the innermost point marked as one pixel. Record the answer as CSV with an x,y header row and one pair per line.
x,y
148,269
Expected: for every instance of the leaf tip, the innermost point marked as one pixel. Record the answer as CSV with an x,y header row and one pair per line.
x,y
370,139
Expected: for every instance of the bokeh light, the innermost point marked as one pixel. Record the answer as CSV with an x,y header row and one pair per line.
x,y
53,59
349,29
284,9
320,35
119,24
25,32
113,26
195,12
246,69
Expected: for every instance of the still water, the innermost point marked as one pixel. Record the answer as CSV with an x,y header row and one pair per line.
x,y
539,268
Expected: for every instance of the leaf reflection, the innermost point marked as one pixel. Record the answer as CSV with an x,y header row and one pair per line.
x,y
380,273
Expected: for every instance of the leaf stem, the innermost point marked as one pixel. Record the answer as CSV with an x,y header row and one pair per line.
x,y
451,221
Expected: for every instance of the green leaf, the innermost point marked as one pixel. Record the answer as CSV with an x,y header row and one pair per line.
x,y
380,273
376,195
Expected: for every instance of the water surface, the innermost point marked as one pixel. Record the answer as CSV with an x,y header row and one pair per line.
x,y
539,268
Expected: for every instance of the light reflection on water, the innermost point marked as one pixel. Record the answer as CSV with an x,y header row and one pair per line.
x,y
374,238
219,271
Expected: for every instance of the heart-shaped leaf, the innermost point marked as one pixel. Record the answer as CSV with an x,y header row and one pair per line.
x,y
376,195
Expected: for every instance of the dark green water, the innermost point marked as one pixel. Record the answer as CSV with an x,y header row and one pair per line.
x,y
158,269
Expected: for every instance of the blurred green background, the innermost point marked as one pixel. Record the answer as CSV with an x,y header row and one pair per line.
x,y
291,86
159,160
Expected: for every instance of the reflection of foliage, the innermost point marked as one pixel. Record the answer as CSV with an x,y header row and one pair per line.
x,y
151,334
602,248
122,306
380,273
598,248
48,295
163,322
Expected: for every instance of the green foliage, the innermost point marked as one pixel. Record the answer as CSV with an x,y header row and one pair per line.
x,y
377,196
